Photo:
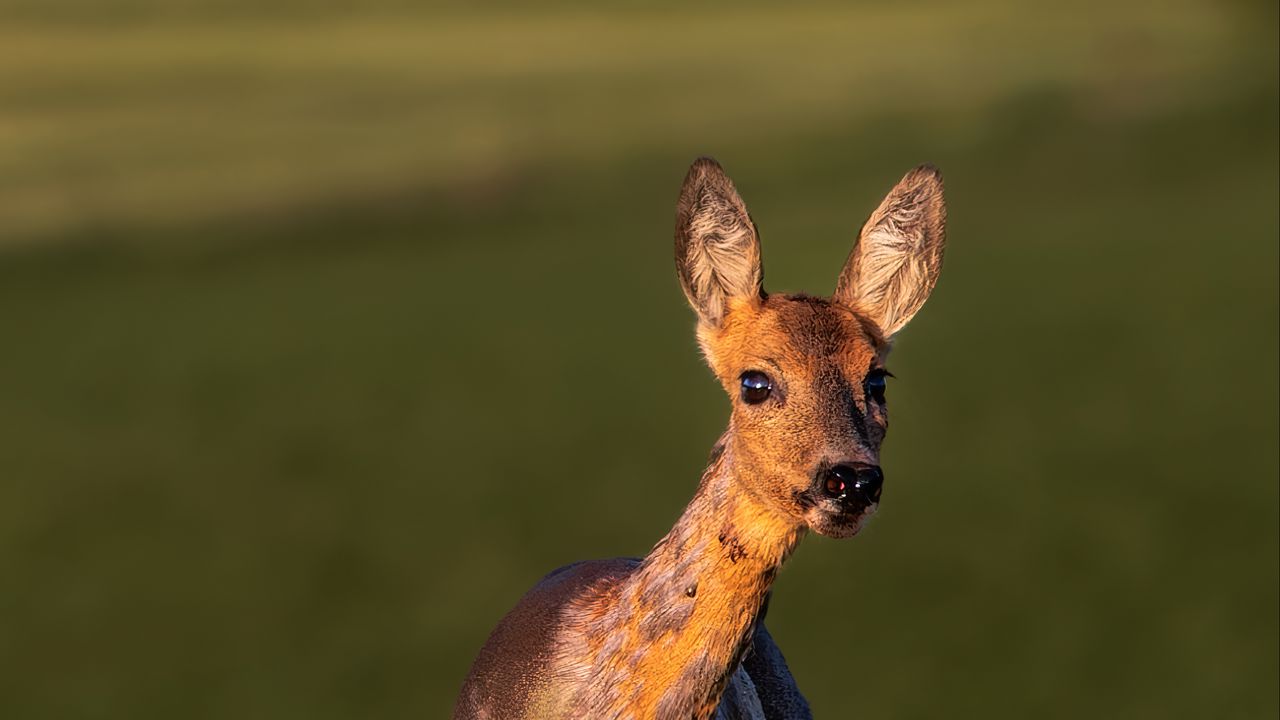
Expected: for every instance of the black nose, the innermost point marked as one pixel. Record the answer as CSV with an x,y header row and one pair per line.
x,y
861,480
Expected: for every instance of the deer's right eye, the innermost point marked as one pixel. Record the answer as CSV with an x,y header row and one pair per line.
x,y
756,387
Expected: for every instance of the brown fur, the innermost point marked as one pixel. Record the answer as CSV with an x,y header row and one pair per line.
x,y
666,636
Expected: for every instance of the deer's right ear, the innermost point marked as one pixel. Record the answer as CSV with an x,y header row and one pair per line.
x,y
717,247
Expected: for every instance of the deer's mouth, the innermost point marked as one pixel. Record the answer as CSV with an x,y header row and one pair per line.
x,y
840,523
846,520
835,514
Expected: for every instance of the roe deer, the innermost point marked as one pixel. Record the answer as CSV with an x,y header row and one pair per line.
x,y
679,634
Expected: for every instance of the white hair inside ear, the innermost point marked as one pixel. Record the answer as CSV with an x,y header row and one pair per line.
x,y
896,262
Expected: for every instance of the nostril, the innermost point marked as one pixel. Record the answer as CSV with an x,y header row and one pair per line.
x,y
835,486
869,481
853,482
839,479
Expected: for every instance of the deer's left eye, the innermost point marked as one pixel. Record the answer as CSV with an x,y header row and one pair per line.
x,y
875,384
756,387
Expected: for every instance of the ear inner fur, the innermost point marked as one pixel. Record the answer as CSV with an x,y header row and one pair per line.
x,y
717,246
896,262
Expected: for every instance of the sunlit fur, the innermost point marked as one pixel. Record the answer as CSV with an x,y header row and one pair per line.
x,y
818,354
679,633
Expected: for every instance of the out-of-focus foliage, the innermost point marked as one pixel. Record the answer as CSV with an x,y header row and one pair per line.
x,y
325,332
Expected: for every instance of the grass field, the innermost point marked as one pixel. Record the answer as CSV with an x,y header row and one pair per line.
x,y
326,334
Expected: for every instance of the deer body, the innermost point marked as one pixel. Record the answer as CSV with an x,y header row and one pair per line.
x,y
679,633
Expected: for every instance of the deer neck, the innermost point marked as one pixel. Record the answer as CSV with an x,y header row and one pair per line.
x,y
683,618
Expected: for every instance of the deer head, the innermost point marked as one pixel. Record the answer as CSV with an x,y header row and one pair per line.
x,y
806,375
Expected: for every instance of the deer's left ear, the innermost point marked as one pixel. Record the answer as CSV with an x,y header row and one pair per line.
x,y
896,262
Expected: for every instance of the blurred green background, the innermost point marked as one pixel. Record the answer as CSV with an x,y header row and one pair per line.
x,y
325,332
